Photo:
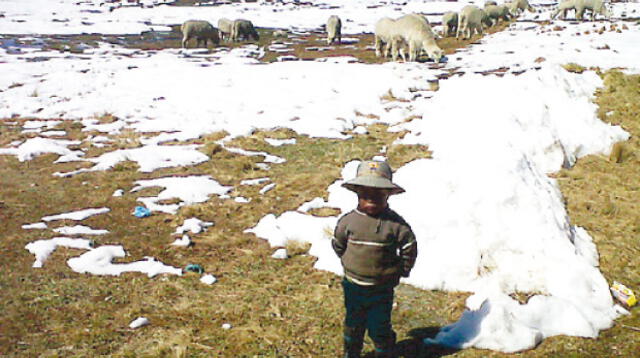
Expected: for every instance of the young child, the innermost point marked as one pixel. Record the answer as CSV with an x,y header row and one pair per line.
x,y
376,247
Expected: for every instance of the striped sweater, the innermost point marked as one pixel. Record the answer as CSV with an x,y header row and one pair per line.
x,y
375,250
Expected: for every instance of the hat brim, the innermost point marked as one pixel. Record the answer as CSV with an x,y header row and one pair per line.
x,y
373,182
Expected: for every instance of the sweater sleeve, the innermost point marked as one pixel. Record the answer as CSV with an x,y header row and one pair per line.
x,y
339,241
408,250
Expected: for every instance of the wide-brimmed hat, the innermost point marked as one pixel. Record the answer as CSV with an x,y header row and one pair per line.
x,y
373,174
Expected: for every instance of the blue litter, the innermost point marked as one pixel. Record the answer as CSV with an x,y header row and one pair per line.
x,y
141,212
194,268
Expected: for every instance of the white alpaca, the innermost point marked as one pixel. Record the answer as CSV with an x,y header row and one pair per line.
x,y
449,23
224,27
419,36
243,29
200,30
334,29
470,21
518,6
387,36
497,13
580,6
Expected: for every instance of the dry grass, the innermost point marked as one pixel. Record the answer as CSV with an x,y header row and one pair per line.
x,y
54,311
574,67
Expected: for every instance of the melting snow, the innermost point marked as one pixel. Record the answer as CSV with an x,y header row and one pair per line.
x,y
99,262
79,230
190,190
77,215
42,249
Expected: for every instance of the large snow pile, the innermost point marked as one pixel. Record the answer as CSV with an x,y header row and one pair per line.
x,y
487,217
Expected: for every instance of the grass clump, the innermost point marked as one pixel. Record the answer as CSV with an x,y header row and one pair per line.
x,y
574,67
106,118
127,139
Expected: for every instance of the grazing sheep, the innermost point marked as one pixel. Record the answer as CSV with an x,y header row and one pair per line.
x,y
280,33
595,6
449,23
497,13
201,31
419,36
224,27
243,29
334,29
564,7
470,20
490,2
386,35
518,6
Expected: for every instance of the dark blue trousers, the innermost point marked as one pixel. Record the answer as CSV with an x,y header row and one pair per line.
x,y
369,307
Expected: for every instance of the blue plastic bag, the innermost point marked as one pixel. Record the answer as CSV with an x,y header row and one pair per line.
x,y
141,212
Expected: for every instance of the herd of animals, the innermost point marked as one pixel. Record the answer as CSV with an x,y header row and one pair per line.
x,y
410,33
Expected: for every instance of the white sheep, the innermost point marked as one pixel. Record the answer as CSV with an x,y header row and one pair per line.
x,y
419,36
224,27
334,29
470,20
449,23
243,29
201,30
497,13
518,6
386,34
595,6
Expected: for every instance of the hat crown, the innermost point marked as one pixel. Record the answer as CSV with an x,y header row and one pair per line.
x,y
374,168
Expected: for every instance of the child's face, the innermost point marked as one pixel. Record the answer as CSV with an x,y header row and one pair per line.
x,y
372,201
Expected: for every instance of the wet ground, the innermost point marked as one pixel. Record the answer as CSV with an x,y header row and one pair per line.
x,y
290,46
307,45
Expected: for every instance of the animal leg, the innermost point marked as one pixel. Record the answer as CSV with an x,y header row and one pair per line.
x,y
378,46
387,47
413,51
394,50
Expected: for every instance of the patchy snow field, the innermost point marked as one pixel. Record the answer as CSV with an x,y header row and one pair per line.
x,y
488,218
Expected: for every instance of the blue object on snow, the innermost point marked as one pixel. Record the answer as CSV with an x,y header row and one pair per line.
x,y
141,212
